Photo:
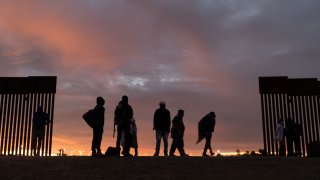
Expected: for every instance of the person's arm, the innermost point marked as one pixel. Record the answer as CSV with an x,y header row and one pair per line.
x,y
155,120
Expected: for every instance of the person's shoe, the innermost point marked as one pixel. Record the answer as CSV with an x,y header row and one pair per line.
x,y
156,154
126,154
165,153
212,153
185,155
172,155
99,154
94,154
205,155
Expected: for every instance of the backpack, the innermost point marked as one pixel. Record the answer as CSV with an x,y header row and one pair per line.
x,y
113,151
89,118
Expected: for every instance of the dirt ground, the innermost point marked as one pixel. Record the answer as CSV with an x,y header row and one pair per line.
x,y
195,168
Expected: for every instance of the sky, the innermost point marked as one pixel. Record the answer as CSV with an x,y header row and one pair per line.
x,y
199,56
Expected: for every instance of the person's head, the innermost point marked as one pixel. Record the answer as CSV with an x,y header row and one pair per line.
x,y
162,104
280,121
40,109
212,114
180,113
100,101
125,99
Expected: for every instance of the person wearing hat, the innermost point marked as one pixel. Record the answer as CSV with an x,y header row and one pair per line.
x,y
161,124
205,130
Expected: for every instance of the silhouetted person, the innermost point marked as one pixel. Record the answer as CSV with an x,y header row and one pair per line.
x,y
123,115
205,130
98,127
280,137
296,139
40,120
177,132
161,123
133,140
289,133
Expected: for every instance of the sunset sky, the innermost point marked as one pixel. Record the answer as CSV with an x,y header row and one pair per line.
x,y
196,55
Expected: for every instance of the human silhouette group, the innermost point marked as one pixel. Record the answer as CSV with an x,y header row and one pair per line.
x,y
127,130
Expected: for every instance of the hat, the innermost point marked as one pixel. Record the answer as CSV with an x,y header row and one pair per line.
x,y
212,113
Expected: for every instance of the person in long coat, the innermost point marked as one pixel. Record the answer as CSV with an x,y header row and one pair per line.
x,y
205,129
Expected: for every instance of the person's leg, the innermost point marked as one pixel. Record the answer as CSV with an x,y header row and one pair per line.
x,y
173,147
99,139
40,140
126,148
93,145
297,146
158,141
165,142
136,151
208,143
119,134
180,146
282,151
290,146
204,153
34,142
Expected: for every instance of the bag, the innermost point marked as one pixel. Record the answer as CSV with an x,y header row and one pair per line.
x,y
89,118
113,151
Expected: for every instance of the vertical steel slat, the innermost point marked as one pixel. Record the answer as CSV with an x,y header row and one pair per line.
x,y
51,119
1,118
18,149
47,126
14,151
263,121
7,125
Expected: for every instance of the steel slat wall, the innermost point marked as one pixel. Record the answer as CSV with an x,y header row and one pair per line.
x,y
295,98
19,99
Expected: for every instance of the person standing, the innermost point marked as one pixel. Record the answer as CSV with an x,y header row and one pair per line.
x,y
177,133
133,133
280,137
98,124
123,114
205,130
289,133
161,124
39,122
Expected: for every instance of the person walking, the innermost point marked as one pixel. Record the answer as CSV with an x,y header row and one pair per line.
x,y
161,124
123,114
39,122
98,123
205,129
177,133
